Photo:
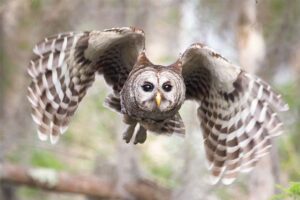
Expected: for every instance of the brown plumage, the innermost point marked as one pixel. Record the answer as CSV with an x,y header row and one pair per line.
x,y
237,110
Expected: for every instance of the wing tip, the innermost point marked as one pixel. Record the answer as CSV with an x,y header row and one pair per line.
x,y
54,138
63,129
214,179
42,136
285,107
228,181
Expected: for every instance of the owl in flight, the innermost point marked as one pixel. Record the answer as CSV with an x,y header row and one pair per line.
x,y
237,111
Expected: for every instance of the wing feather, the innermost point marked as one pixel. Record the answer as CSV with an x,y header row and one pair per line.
x,y
237,111
64,66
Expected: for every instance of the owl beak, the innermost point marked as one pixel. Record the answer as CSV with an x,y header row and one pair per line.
x,y
158,99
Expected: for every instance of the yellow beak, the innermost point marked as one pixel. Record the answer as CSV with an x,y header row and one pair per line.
x,y
158,99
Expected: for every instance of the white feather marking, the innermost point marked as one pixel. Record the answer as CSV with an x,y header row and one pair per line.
x,y
240,132
29,71
269,125
36,119
50,61
245,114
227,181
38,90
253,106
258,133
271,97
32,101
246,169
285,108
32,96
54,138
62,53
232,149
215,179
244,143
231,136
221,136
69,94
61,58
53,45
263,113
64,105
57,85
36,50
77,87
45,82
260,92
251,83
49,95
40,64
277,133
64,69
250,125
54,105
33,67
42,136
250,162
63,129
275,129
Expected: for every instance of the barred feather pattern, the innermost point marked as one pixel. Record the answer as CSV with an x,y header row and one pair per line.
x,y
59,82
64,66
173,125
237,124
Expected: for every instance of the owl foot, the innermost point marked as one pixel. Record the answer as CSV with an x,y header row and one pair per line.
x,y
127,135
141,136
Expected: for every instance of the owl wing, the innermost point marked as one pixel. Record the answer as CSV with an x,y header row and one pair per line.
x,y
64,66
237,111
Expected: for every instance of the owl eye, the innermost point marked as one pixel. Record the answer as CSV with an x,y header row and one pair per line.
x,y
167,87
148,87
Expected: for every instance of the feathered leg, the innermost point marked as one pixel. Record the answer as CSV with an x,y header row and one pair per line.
x,y
141,135
127,135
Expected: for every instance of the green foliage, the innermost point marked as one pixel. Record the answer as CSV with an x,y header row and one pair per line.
x,y
30,193
224,194
161,171
291,192
289,145
41,158
36,4
277,6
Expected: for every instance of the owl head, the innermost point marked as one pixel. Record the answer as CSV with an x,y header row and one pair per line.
x,y
153,91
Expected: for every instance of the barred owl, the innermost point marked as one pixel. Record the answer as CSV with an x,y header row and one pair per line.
x,y
237,110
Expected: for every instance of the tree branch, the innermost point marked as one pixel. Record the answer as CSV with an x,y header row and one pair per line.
x,y
51,180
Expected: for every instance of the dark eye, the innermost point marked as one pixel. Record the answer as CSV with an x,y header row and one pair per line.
x,y
167,87
148,87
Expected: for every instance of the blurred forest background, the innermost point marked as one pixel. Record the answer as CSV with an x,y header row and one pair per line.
x,y
263,36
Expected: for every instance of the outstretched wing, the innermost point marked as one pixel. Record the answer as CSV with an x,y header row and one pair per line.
x,y
64,66
237,111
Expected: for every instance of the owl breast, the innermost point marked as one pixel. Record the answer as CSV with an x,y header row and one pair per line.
x,y
153,92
